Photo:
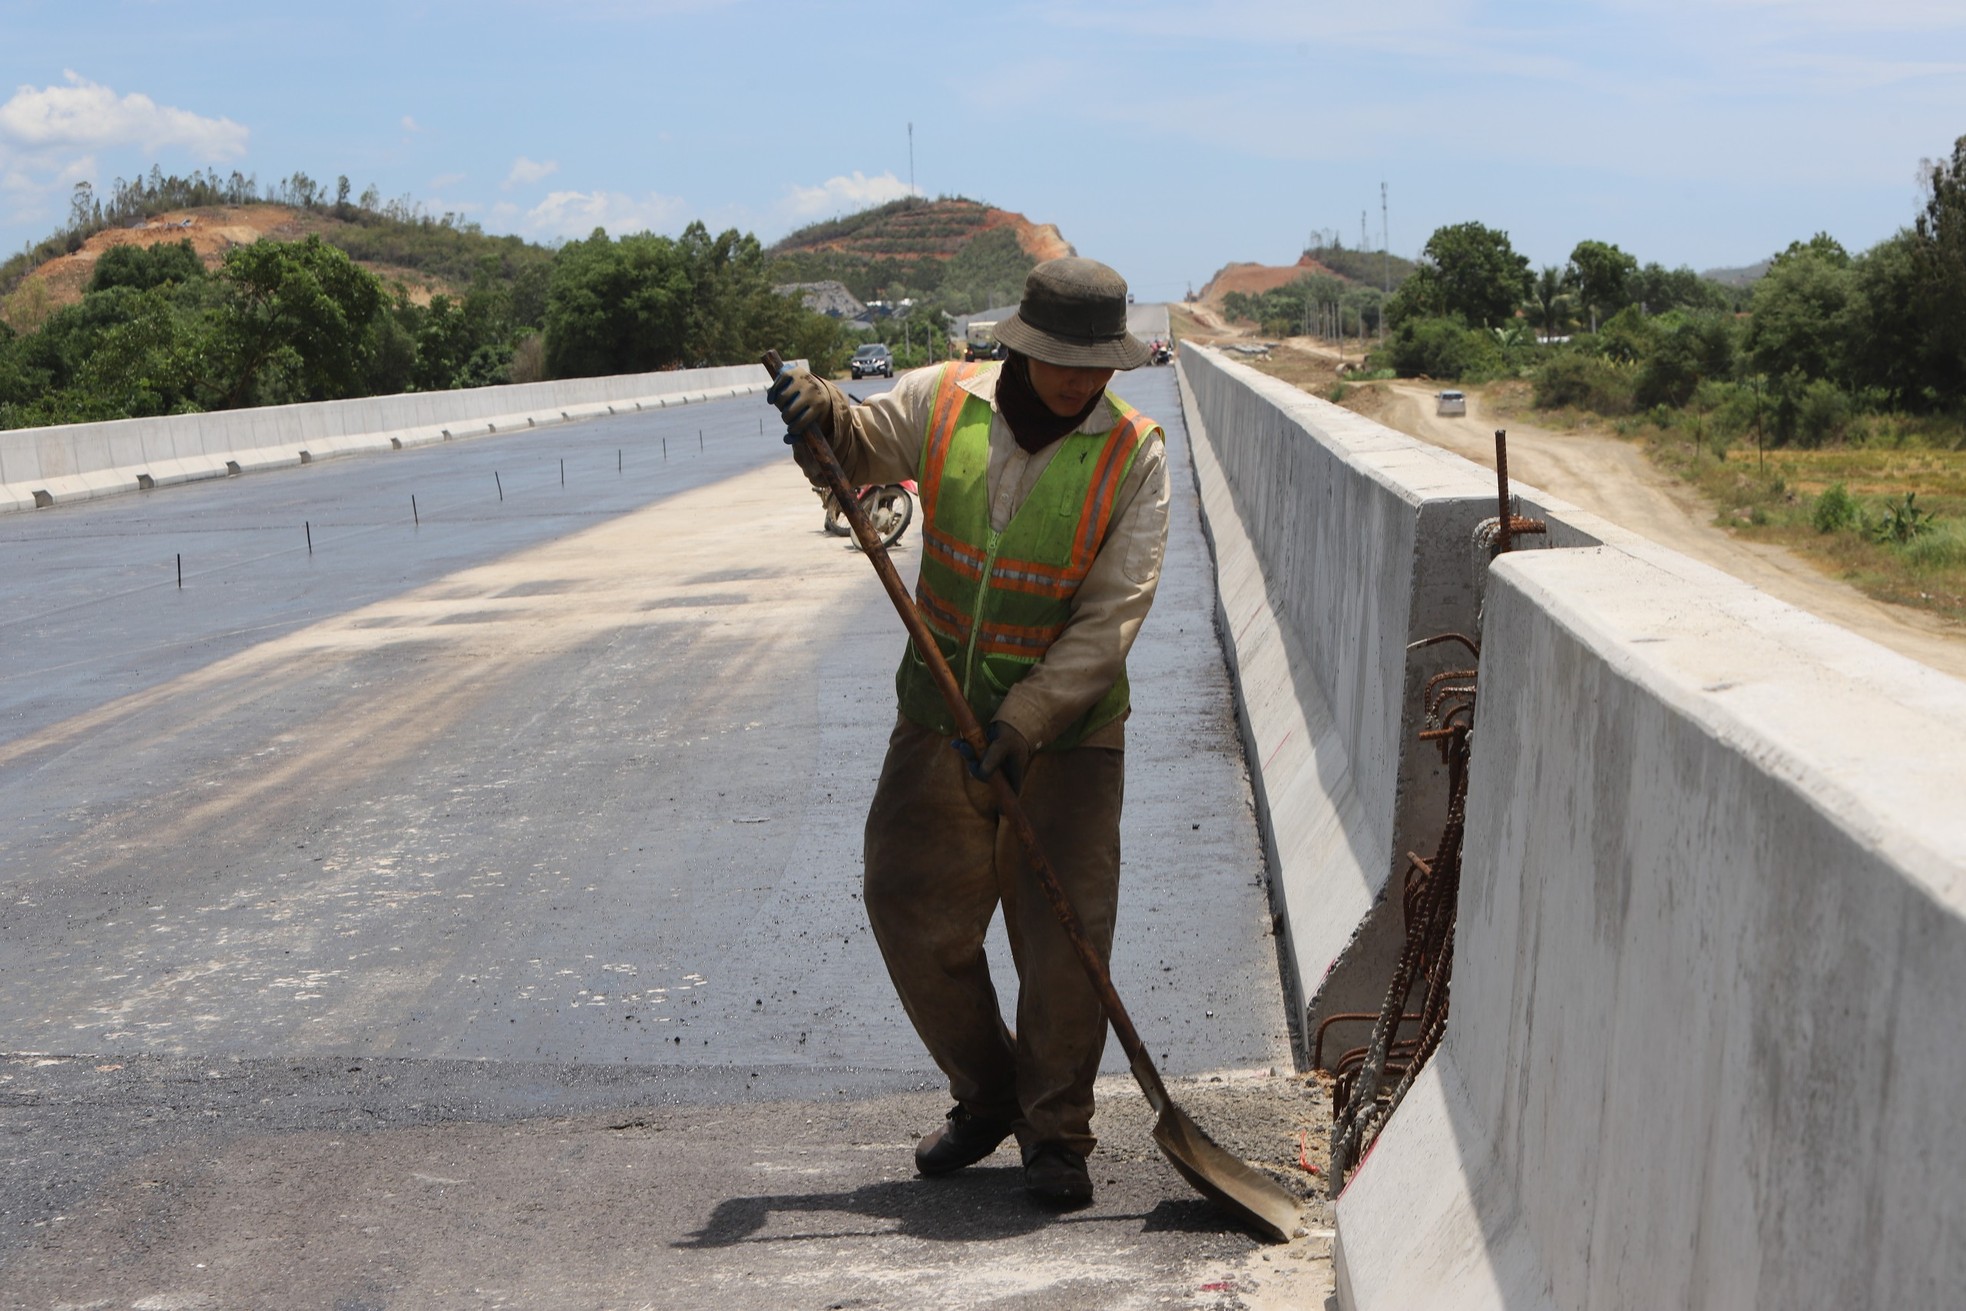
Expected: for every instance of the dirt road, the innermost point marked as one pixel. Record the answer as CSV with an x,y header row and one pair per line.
x,y
1614,479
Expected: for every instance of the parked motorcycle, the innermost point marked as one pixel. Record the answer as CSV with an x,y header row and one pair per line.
x,y
890,507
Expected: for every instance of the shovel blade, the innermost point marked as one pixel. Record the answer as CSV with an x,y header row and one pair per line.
x,y
1246,1193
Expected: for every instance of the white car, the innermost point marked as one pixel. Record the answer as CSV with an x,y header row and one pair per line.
x,y
1450,402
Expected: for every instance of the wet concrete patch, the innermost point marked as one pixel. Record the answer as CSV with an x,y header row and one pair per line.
x,y
690,602
735,575
541,587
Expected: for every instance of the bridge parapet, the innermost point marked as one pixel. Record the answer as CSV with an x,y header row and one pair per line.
x,y
1705,1043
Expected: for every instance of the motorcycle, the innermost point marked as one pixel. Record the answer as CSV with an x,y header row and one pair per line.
x,y
1161,352
889,507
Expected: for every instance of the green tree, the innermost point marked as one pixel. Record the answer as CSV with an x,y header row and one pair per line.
x,y
1686,349
147,361
1601,274
615,306
1660,289
1472,271
1799,323
296,325
1891,345
1939,260
648,302
142,267
1549,297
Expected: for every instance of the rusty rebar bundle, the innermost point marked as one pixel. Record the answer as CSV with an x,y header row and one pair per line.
x,y
1373,1079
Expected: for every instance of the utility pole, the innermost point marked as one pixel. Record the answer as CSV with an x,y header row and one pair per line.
x,y
1386,246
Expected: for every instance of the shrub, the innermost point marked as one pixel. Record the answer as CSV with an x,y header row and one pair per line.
x,y
1837,510
1901,523
1587,382
1942,547
1822,414
1442,348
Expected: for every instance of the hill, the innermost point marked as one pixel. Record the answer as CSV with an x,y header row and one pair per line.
x,y
1745,276
212,230
424,255
959,253
1363,268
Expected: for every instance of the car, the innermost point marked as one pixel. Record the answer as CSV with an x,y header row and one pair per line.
x,y
871,359
1450,402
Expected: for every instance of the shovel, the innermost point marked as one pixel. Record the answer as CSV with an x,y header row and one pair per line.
x,y
1245,1193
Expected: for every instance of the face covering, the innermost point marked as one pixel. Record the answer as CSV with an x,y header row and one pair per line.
x,y
1031,421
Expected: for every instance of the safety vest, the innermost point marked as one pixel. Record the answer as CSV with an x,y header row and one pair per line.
x,y
997,601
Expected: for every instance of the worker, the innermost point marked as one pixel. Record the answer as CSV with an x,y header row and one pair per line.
x,y
1045,502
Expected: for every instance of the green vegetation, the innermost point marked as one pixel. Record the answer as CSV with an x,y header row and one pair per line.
x,y
279,322
1349,304
1369,268
1314,302
1823,406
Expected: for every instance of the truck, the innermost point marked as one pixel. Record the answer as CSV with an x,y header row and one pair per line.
x,y
980,341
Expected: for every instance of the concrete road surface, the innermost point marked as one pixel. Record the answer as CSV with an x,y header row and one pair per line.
x,y
464,912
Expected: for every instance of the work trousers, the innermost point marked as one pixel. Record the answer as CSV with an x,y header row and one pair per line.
x,y
940,859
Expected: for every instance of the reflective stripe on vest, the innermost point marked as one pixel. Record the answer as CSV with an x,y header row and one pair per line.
x,y
997,601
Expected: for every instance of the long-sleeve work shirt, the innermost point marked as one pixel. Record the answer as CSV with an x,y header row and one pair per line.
x,y
882,443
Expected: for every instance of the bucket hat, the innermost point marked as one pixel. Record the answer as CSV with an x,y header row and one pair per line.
x,y
1074,314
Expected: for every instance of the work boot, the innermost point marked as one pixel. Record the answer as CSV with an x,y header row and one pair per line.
x,y
1056,1176
962,1139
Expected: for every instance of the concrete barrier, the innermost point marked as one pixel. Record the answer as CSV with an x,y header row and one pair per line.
x,y
41,467
1705,1046
1338,544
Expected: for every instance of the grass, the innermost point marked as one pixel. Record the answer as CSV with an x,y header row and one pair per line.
x,y
1772,495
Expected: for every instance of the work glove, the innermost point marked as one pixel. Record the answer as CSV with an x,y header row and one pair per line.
x,y
1006,749
806,400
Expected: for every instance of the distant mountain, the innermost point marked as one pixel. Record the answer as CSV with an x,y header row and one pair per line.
x,y
960,253
1741,277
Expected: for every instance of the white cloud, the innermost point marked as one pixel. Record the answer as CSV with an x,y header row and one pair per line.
x,y
577,213
525,172
444,181
411,125
85,115
843,195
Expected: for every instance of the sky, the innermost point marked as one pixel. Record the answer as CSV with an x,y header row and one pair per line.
x,y
1165,137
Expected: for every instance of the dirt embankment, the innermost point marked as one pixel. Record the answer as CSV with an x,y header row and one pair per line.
x,y
1041,241
1255,279
211,231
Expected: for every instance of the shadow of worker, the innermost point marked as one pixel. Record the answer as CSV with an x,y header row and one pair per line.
x,y
976,1205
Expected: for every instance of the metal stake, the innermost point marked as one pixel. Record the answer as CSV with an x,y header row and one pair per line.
x,y
1502,489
